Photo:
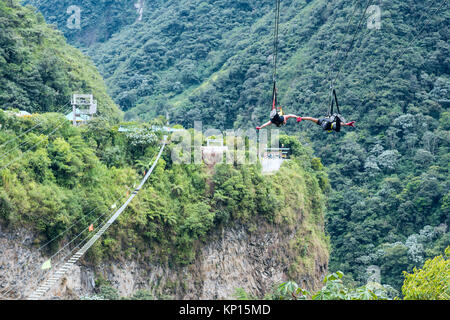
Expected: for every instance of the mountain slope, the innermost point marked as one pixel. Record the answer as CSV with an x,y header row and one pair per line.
x,y
389,206
56,180
184,217
39,71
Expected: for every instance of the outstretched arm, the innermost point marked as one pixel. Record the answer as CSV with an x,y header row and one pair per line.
x,y
288,116
308,118
264,125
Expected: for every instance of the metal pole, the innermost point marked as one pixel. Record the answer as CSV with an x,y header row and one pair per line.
x,y
74,108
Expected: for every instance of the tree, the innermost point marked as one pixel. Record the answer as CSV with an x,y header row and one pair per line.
x,y
431,282
333,289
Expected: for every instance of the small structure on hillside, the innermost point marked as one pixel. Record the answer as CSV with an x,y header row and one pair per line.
x,y
272,158
80,116
213,152
23,114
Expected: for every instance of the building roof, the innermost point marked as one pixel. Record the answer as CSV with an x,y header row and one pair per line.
x,y
79,118
23,113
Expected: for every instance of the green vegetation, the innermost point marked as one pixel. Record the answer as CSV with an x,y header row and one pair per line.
x,y
333,288
99,19
76,174
389,176
432,282
177,46
54,180
57,179
389,203
429,283
38,71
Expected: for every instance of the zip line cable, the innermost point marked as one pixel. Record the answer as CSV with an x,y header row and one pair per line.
x,y
351,43
67,244
4,155
275,52
339,48
358,44
17,137
275,42
396,59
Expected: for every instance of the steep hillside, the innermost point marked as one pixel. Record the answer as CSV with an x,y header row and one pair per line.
x,y
39,71
99,19
176,46
212,60
187,216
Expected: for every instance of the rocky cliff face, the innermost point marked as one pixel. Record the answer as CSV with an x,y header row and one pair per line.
x,y
234,259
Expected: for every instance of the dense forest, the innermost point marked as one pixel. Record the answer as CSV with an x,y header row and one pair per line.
x,y
56,179
76,174
389,204
39,71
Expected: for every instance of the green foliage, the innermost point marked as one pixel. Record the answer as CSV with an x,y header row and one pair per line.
x,y
431,282
107,292
333,289
199,219
387,179
71,179
142,295
39,71
241,294
289,291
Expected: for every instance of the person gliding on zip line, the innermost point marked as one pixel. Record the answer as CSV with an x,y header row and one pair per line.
x,y
333,121
277,117
329,123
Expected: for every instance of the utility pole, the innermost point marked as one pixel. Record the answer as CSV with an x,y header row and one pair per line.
x,y
74,111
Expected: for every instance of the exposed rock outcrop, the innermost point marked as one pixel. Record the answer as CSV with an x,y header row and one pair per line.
x,y
234,259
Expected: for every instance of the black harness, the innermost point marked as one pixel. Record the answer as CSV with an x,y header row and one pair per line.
x,y
333,120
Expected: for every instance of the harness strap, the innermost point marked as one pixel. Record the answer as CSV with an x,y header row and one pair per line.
x,y
274,95
275,53
334,99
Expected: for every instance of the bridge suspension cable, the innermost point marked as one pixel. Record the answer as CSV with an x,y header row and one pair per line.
x,y
60,272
